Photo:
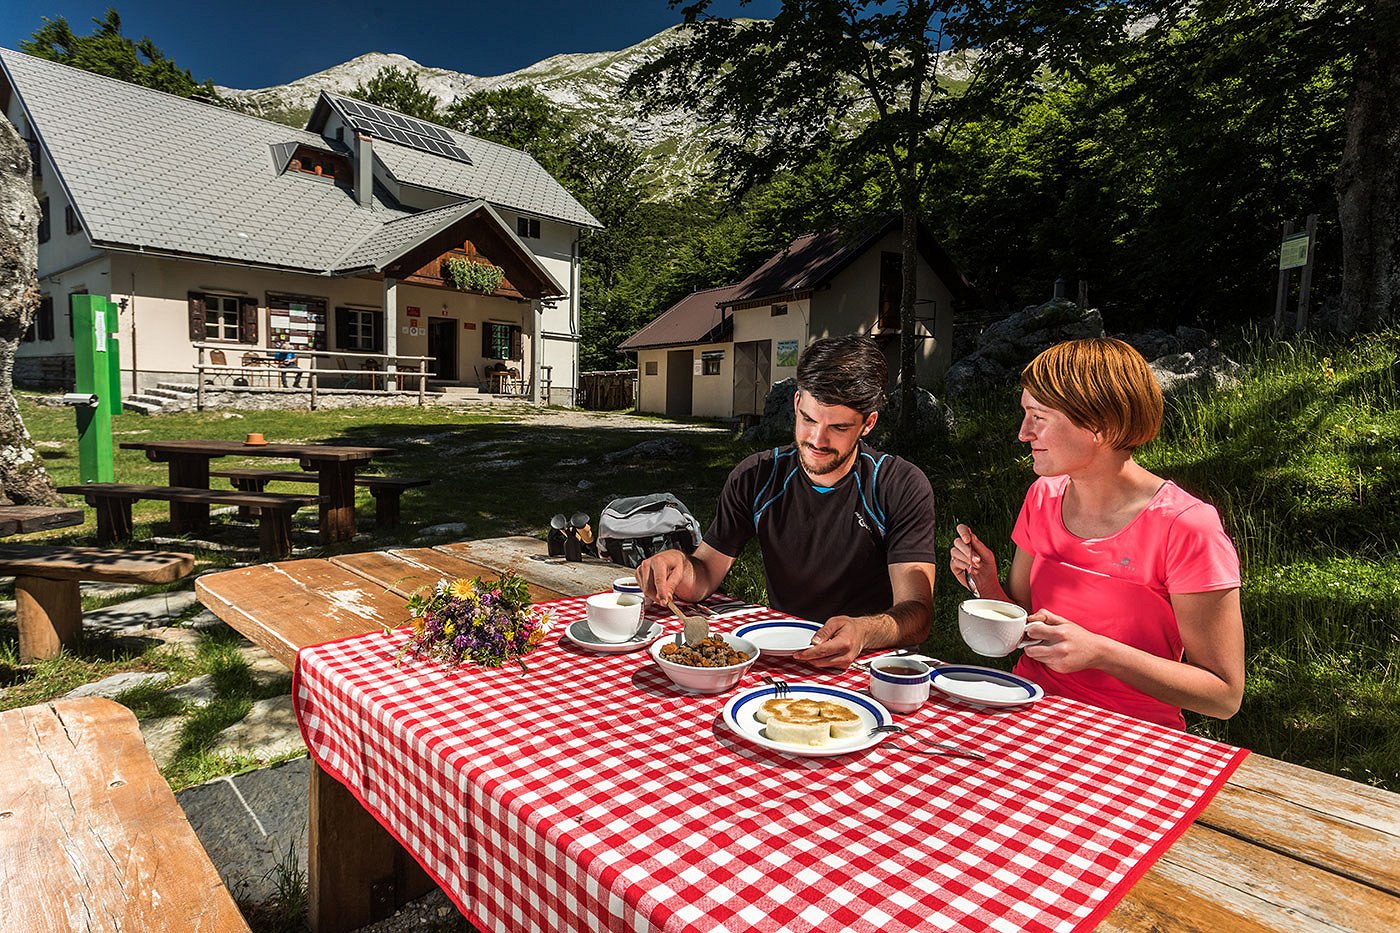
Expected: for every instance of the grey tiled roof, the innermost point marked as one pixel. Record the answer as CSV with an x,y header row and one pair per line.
x,y
162,172
392,239
498,174
151,170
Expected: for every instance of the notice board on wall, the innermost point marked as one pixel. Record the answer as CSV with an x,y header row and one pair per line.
x,y
296,322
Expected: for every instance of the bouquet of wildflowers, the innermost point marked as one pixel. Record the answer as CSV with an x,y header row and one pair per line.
x,y
486,621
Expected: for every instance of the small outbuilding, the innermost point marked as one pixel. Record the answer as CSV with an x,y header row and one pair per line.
x,y
716,352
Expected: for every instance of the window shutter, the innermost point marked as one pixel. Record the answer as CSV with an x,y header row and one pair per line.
x,y
516,351
247,320
486,330
44,318
197,316
377,324
342,328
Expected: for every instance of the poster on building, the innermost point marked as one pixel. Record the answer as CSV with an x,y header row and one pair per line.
x,y
787,353
296,323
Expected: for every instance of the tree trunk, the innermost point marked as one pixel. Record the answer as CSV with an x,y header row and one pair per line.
x,y
23,478
1368,183
908,324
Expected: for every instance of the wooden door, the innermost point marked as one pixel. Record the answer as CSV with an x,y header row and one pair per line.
x,y
442,347
679,382
753,361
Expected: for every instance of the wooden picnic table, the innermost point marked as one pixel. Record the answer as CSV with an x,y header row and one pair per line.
x,y
22,519
1280,847
335,465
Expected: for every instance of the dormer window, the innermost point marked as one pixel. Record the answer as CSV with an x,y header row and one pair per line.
x,y
323,162
527,228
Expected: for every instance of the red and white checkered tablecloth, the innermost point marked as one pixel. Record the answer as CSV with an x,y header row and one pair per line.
x,y
588,794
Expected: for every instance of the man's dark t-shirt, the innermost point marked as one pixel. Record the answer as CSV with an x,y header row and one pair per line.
x,y
826,553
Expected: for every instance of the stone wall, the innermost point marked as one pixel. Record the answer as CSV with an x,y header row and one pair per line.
x,y
44,372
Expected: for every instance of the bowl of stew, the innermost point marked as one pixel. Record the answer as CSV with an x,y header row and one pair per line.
x,y
711,666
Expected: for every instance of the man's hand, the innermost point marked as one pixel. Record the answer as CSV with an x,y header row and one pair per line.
x,y
837,643
660,575
672,575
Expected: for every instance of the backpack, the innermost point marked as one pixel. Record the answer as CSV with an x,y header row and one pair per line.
x,y
632,529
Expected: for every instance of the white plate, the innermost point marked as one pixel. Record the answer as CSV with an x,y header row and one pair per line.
x,y
779,638
581,635
985,686
739,716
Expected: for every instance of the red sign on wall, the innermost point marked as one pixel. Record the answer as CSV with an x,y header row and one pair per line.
x,y
469,325
414,312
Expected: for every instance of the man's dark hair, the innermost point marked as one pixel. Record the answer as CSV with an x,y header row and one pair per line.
x,y
847,370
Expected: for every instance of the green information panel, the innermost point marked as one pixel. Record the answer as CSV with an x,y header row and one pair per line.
x,y
97,373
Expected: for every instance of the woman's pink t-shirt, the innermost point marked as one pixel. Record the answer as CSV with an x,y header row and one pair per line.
x,y
1121,586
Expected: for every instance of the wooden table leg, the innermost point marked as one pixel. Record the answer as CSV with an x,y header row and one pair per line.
x,y
275,533
113,518
357,873
50,616
337,501
386,507
248,484
190,470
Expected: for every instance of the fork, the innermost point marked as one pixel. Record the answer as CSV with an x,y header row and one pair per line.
x,y
780,687
947,749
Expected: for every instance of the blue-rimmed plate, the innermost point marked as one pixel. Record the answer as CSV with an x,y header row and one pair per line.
x,y
739,716
779,638
580,634
984,686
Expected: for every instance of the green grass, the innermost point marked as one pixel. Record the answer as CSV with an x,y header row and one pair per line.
x,y
1302,459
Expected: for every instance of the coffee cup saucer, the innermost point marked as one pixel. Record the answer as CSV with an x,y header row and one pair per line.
x,y
578,633
984,686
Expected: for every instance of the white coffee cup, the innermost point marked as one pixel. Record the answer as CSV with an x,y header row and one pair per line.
x,y
614,617
992,627
626,585
902,684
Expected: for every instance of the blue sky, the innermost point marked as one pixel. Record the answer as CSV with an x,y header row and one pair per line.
x,y
255,43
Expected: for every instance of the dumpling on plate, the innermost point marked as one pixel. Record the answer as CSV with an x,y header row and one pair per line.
x,y
807,721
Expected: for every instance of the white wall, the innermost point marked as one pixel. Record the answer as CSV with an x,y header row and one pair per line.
x,y
852,304
158,290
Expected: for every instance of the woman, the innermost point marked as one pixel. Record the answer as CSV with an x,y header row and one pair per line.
x,y
1122,572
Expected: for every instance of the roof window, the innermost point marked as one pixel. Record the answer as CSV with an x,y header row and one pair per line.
x,y
323,162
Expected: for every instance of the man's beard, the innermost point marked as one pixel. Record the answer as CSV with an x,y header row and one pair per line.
x,y
828,467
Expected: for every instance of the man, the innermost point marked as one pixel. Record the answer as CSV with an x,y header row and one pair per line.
x,y
846,531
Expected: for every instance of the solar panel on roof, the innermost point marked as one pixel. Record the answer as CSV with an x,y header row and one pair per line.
x,y
406,131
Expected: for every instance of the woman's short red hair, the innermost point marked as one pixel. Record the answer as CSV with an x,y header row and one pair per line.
x,y
1101,384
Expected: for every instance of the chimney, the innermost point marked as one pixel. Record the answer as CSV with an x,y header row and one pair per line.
x,y
364,170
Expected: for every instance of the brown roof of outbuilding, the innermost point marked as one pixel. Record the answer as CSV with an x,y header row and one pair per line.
x,y
696,318
813,260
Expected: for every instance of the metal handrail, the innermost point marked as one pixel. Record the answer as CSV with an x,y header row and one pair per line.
x,y
390,373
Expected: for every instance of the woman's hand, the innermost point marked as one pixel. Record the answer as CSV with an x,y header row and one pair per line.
x,y
969,555
1063,646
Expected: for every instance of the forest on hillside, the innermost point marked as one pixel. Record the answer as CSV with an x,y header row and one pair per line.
x,y
1150,150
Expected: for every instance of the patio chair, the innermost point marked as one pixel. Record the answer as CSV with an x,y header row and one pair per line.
x,y
217,358
254,361
371,366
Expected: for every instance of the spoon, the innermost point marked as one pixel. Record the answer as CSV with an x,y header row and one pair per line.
x,y
696,627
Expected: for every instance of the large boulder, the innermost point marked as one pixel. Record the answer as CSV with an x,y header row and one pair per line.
x,y
778,421
1206,368
1155,344
933,421
1007,346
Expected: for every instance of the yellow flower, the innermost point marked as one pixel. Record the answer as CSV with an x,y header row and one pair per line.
x,y
460,589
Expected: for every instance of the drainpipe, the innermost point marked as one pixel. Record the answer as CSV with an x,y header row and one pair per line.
x,y
364,170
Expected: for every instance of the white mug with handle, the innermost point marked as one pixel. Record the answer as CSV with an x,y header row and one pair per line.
x,y
992,627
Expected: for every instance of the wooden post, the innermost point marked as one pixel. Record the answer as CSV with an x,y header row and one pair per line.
x,y
315,371
50,616
1305,287
422,379
1281,299
113,518
198,378
367,875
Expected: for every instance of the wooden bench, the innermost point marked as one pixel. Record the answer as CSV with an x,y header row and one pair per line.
x,y
113,504
91,838
386,490
48,604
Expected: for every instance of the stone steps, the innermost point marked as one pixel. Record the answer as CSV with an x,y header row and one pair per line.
x,y
165,397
